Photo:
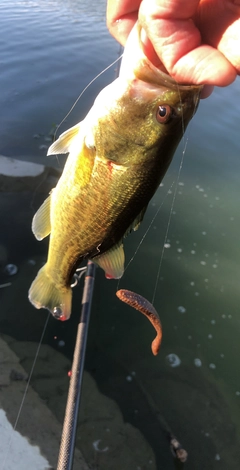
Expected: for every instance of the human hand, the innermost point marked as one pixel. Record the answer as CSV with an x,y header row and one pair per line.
x,y
197,41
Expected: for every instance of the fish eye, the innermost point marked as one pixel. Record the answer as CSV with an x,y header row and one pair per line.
x,y
164,112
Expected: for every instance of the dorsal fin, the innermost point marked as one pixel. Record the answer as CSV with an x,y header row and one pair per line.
x,y
64,141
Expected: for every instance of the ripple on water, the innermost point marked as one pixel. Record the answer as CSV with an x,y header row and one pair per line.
x,y
167,245
197,362
11,269
173,360
181,309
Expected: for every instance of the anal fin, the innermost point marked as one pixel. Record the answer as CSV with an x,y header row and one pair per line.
x,y
112,261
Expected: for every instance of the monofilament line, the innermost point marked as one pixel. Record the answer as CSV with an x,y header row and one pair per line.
x,y
169,221
86,87
146,232
173,202
25,391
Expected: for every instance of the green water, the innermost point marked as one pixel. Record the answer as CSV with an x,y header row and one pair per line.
x,y
48,59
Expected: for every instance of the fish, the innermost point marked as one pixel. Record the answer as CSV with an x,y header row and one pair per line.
x,y
118,155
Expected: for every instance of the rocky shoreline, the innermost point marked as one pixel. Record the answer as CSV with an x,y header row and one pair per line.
x,y
35,441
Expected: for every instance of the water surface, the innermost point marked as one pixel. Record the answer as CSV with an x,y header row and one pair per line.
x,y
50,50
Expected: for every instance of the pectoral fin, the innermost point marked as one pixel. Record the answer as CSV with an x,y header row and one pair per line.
x,y
41,225
64,141
112,261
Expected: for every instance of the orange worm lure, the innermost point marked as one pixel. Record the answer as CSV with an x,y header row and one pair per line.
x,y
143,305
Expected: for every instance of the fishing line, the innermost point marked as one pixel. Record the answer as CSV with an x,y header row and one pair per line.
x,y
174,197
26,390
169,221
167,229
146,232
79,96
171,209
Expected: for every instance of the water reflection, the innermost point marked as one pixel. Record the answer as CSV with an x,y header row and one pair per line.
x,y
94,10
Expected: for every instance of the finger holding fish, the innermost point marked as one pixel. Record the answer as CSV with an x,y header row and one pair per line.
x,y
196,40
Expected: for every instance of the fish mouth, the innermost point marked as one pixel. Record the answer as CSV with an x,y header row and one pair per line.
x,y
147,72
143,69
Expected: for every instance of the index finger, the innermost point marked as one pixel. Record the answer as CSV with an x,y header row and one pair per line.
x,y
121,17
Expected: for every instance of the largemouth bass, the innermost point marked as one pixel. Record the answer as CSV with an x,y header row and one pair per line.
x,y
118,156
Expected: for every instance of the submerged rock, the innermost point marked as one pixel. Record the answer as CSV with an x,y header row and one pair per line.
x,y
17,175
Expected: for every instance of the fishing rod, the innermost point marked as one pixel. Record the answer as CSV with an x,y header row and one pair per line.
x,y
66,452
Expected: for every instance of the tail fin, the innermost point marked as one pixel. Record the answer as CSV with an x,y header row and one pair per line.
x,y
44,294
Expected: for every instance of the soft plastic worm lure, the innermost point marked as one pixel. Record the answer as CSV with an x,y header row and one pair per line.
x,y
143,305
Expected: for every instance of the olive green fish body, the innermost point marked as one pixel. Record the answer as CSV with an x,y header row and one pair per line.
x,y
117,157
